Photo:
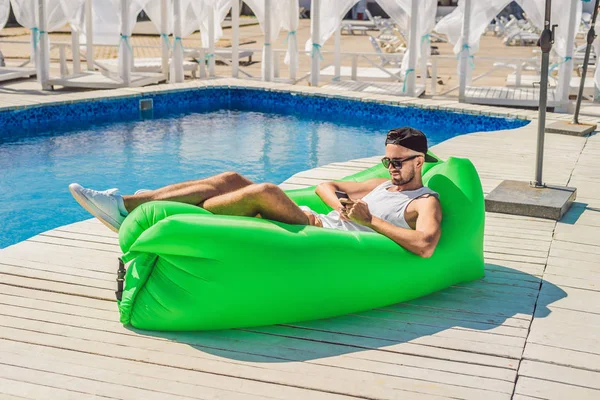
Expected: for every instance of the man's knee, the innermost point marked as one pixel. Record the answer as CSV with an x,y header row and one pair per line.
x,y
232,177
264,190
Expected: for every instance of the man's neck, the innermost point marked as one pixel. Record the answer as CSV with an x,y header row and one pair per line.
x,y
412,185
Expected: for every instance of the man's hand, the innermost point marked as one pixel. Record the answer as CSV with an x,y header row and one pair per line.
x,y
344,208
359,213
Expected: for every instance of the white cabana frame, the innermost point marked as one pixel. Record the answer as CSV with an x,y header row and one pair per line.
x,y
92,79
421,14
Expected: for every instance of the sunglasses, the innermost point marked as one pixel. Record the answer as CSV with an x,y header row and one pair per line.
x,y
396,162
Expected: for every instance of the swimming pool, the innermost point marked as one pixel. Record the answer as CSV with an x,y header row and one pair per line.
x,y
266,136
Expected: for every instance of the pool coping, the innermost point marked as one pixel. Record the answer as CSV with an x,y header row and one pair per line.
x,y
16,102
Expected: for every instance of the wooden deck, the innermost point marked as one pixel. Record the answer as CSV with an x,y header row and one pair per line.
x,y
385,88
509,96
528,330
104,80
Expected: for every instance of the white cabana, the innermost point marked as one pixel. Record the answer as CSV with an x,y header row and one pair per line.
x,y
116,19
40,17
327,15
272,15
162,14
9,73
465,25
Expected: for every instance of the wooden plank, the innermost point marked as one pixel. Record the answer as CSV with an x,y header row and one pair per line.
x,y
90,323
566,357
57,287
18,271
177,381
26,304
71,257
412,309
60,298
101,273
83,237
309,376
552,390
19,388
70,243
73,383
539,253
570,298
582,342
561,374
566,317
588,283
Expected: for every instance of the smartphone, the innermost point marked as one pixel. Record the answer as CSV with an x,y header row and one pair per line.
x,y
342,195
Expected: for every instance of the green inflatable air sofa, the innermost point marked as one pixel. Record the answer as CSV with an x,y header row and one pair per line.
x,y
192,270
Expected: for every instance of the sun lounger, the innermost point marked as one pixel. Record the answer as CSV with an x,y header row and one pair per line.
x,y
145,65
368,73
386,58
10,73
222,53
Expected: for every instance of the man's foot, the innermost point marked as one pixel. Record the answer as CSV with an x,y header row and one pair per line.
x,y
103,205
141,191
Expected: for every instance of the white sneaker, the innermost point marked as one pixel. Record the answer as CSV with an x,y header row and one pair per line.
x,y
142,191
102,205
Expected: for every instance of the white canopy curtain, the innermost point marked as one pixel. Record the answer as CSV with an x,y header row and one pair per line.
x,y
290,20
398,10
596,45
331,13
276,17
4,12
27,14
188,24
112,24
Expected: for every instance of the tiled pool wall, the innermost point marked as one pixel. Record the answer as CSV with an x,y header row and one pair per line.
x,y
102,110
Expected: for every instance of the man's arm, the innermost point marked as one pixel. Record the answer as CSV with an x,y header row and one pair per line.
x,y
421,241
355,190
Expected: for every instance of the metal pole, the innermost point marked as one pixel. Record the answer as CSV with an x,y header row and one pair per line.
x,y
591,35
546,40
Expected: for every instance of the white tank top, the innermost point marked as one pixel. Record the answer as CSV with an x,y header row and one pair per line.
x,y
383,204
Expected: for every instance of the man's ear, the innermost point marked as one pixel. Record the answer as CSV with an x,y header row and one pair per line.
x,y
420,162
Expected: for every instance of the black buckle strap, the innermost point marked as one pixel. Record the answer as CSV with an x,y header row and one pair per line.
x,y
120,279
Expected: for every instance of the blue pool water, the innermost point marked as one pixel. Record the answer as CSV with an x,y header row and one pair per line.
x,y
180,144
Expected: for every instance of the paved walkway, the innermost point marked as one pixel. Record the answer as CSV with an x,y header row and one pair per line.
x,y
527,330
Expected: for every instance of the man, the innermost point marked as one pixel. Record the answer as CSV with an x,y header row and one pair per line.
x,y
401,208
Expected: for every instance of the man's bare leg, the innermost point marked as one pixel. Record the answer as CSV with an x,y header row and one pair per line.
x,y
265,199
191,192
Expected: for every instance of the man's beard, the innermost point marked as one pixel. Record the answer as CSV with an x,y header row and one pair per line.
x,y
401,181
